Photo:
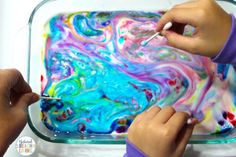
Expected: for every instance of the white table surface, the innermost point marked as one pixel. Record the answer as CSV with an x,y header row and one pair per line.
x,y
14,15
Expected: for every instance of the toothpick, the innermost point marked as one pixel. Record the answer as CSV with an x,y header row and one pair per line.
x,y
166,27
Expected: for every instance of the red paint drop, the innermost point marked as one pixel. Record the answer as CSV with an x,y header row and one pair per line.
x,y
59,119
148,94
233,122
121,129
81,127
230,115
63,115
41,77
172,82
135,86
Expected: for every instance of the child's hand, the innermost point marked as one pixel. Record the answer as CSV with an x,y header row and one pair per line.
x,y
212,23
15,96
161,132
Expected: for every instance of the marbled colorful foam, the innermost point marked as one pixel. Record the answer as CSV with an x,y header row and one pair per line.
x,y
93,61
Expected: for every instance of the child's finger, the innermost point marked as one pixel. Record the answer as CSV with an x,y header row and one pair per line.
x,y
12,79
188,4
177,15
164,115
25,100
177,122
138,118
184,137
178,28
151,112
181,42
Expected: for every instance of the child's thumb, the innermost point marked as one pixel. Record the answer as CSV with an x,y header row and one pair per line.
x,y
27,99
179,41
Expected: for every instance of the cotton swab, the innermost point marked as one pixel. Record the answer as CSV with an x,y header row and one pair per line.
x,y
189,121
49,98
192,120
166,27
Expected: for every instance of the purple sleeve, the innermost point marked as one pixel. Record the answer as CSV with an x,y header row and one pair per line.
x,y
227,55
132,150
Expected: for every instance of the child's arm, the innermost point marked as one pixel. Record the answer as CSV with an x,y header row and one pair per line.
x,y
227,55
15,96
159,132
215,34
215,37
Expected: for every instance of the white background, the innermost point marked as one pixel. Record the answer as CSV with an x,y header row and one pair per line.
x,y
14,15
